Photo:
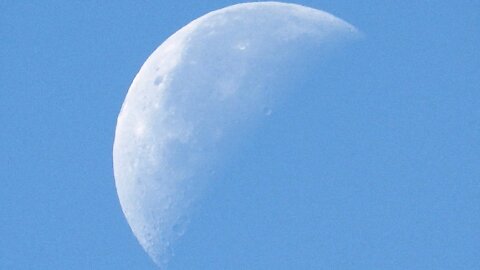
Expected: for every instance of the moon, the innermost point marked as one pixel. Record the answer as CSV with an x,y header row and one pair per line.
x,y
195,98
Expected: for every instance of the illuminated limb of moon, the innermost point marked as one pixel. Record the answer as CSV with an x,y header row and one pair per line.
x,y
203,86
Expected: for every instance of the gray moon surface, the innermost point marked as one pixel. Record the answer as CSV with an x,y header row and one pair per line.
x,y
194,98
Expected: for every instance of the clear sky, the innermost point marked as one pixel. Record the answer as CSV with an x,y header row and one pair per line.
x,y
386,177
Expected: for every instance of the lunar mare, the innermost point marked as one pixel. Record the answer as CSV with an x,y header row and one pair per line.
x,y
200,90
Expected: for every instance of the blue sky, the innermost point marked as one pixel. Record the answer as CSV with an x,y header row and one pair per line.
x,y
387,176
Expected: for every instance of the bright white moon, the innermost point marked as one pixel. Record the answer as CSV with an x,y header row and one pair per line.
x,y
194,97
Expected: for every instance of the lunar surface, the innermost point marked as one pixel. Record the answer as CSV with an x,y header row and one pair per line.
x,y
194,98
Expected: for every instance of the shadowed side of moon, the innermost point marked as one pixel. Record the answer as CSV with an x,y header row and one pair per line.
x,y
196,96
